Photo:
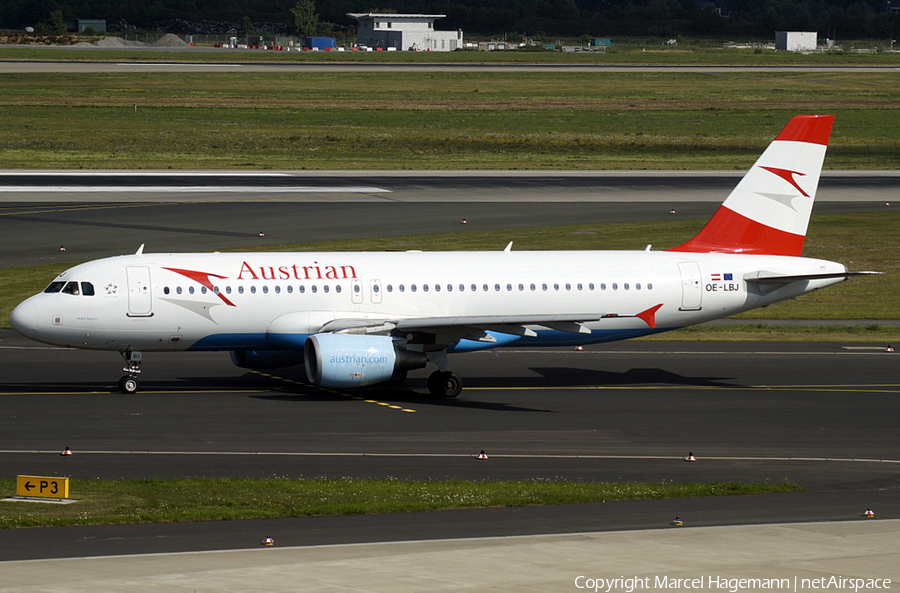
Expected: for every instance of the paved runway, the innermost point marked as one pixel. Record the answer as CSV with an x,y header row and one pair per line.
x,y
821,416
98,214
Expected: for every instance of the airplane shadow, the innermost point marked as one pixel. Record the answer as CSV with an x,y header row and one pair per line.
x,y
576,377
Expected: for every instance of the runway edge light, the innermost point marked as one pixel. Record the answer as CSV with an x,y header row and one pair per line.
x,y
482,455
268,541
66,452
869,513
690,457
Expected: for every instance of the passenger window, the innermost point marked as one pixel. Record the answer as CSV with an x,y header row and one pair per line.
x,y
70,288
315,288
87,289
301,288
252,290
278,289
265,289
165,290
54,287
425,287
191,289
290,289
178,290
325,288
337,288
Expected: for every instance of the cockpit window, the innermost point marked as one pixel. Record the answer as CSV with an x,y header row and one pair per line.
x,y
71,288
54,287
87,289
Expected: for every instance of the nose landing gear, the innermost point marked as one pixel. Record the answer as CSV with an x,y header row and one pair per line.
x,y
129,383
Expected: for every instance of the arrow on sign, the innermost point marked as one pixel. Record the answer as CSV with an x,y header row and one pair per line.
x,y
29,486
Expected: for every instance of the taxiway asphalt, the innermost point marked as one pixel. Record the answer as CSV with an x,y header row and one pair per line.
x,y
817,415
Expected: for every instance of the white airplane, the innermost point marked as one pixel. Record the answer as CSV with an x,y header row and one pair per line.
x,y
357,319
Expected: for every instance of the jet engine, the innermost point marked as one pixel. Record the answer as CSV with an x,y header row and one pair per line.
x,y
266,359
352,360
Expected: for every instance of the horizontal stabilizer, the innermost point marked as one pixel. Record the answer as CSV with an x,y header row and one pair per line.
x,y
765,278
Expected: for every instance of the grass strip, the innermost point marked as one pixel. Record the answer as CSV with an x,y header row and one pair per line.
x,y
196,499
436,120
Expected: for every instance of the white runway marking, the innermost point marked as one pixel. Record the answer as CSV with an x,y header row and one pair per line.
x,y
453,455
189,189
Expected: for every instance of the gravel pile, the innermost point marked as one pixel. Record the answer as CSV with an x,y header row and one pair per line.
x,y
116,42
169,40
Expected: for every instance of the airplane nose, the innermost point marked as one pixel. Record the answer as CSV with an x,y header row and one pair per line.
x,y
24,318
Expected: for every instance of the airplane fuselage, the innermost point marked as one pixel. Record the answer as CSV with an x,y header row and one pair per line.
x,y
235,301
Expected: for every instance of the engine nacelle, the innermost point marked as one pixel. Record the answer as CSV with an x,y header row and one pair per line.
x,y
352,360
266,359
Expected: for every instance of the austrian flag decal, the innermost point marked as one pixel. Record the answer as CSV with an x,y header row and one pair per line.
x,y
721,277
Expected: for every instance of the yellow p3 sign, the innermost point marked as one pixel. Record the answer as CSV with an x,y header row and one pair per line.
x,y
43,487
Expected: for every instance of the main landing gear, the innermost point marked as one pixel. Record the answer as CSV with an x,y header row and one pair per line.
x,y
443,383
129,383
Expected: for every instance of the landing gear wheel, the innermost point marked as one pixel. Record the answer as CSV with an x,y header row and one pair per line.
x,y
446,384
128,384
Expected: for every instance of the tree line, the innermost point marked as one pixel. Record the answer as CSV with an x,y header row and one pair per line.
x,y
721,19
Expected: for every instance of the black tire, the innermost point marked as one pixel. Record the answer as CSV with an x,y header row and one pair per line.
x,y
444,384
128,385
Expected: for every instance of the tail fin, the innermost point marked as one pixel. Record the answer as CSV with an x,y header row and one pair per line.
x,y
768,212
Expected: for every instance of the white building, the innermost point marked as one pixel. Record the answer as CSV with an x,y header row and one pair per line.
x,y
404,32
795,40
